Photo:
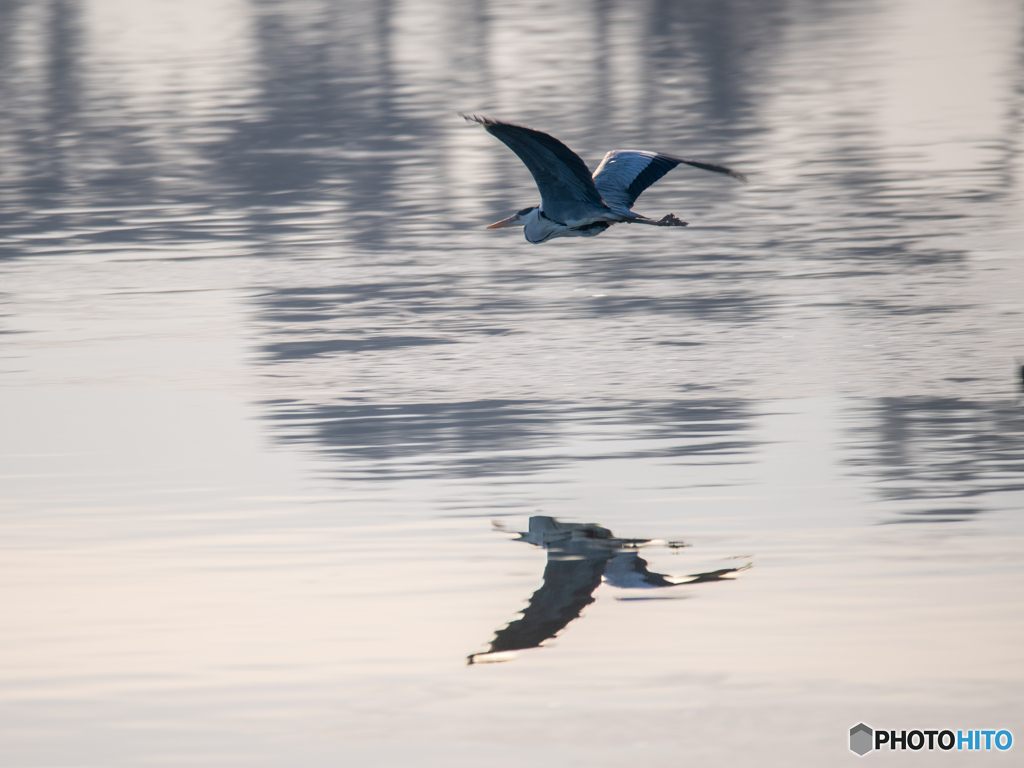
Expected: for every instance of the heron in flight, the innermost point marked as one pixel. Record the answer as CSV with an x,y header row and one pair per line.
x,y
572,202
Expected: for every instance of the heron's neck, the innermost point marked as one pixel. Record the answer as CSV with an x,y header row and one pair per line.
x,y
539,228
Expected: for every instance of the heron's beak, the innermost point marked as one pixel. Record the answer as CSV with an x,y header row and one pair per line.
x,y
509,222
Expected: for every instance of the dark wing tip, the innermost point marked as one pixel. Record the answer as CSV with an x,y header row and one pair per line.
x,y
708,167
482,119
489,121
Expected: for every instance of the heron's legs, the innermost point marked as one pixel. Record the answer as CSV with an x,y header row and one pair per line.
x,y
668,220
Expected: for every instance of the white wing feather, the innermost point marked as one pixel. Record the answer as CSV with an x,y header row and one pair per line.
x,y
617,171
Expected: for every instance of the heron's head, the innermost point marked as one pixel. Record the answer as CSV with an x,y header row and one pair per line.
x,y
513,220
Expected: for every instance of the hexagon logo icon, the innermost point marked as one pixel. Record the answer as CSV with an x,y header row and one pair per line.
x,y
861,737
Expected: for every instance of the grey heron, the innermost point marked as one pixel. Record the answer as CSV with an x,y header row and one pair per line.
x,y
572,202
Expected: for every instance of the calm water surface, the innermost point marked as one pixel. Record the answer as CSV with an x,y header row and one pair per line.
x,y
288,437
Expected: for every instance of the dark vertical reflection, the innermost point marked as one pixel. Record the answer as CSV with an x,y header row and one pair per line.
x,y
40,113
329,128
603,108
729,43
57,149
10,13
939,456
63,88
470,36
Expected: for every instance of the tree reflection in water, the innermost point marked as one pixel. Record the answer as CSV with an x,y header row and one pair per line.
x,y
580,555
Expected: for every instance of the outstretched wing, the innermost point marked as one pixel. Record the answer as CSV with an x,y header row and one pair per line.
x,y
627,570
567,190
569,585
625,173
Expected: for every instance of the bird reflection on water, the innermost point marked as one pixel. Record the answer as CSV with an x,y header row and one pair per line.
x,y
580,555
